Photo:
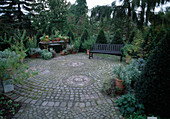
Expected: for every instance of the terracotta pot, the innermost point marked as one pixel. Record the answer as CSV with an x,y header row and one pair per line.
x,y
33,56
87,52
66,40
62,53
53,41
57,39
73,52
128,59
120,86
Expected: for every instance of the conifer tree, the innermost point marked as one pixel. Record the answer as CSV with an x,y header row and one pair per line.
x,y
101,38
153,87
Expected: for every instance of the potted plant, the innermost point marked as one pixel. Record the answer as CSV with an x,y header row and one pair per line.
x,y
45,38
87,44
42,38
119,81
64,52
8,63
57,36
34,52
70,48
66,38
76,45
53,52
46,54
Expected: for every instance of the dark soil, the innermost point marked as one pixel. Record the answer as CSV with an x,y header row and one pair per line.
x,y
8,108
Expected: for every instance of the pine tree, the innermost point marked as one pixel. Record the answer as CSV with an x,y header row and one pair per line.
x,y
14,14
81,8
50,15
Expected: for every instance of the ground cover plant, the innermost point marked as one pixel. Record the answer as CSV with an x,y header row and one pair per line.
x,y
8,107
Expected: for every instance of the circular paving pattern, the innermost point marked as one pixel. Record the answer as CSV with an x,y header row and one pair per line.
x,y
67,87
78,81
75,64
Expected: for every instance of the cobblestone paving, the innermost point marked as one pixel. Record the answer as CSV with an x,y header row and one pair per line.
x,y
67,87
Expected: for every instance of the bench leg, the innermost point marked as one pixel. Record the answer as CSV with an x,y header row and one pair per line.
x,y
90,55
120,58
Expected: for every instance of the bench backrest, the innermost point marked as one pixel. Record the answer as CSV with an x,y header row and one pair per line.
x,y
107,47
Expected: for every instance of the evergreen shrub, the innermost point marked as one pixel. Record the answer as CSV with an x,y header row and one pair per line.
x,y
101,38
153,87
117,39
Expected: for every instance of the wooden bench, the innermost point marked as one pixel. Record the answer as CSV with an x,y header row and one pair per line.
x,y
112,49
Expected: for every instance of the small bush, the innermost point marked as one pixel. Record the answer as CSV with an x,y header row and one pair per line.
x,y
128,105
108,87
46,54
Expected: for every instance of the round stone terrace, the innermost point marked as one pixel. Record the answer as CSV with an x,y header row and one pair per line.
x,y
67,87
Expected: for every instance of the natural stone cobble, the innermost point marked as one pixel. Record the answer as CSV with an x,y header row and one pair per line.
x,y
67,87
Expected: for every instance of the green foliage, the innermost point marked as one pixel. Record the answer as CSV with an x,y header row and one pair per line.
x,y
118,71
81,8
71,35
101,38
101,14
15,16
10,67
134,48
46,54
32,42
76,44
88,43
128,105
117,39
151,38
33,51
136,116
17,43
8,60
8,107
108,87
51,15
85,36
132,72
152,88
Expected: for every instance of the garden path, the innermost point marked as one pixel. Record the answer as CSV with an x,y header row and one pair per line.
x,y
67,87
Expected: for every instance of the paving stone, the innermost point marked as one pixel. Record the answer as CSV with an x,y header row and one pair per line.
x,y
50,104
44,103
88,104
19,99
82,104
63,104
57,104
33,101
39,102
